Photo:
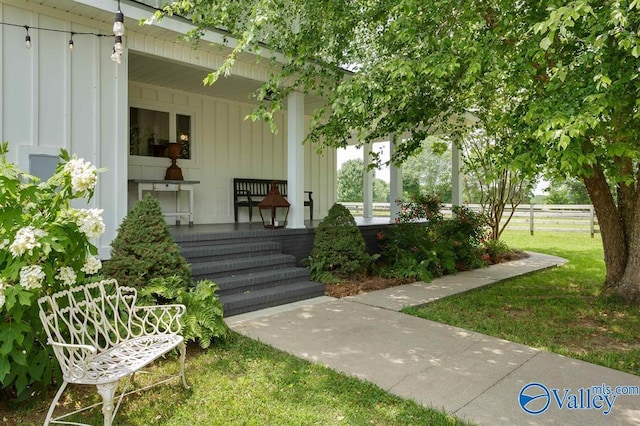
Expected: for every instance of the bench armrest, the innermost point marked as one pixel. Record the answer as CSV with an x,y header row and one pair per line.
x,y
160,319
73,358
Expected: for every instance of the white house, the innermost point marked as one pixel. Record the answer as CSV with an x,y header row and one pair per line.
x,y
112,114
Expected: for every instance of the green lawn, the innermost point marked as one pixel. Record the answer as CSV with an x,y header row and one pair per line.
x,y
558,310
248,383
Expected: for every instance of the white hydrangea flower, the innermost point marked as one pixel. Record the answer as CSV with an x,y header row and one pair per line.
x,y
3,285
4,244
90,222
91,265
67,275
31,277
83,174
26,240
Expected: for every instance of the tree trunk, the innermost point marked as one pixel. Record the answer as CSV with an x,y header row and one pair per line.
x,y
614,240
629,287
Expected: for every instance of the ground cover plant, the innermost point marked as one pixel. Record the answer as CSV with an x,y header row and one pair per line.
x,y
248,383
559,310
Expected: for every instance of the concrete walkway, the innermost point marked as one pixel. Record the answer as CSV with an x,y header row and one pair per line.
x,y
478,378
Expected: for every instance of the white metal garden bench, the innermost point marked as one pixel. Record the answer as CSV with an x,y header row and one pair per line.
x,y
100,336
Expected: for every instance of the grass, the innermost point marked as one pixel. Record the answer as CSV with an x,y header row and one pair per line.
x,y
245,382
558,310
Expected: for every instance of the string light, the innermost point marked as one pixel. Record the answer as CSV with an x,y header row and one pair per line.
x,y
118,22
118,32
27,39
71,41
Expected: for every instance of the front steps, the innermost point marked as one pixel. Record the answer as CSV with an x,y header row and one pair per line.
x,y
252,272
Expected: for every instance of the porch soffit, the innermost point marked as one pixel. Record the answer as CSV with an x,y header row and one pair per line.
x,y
157,70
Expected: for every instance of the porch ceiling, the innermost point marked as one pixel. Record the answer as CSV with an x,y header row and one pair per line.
x,y
158,71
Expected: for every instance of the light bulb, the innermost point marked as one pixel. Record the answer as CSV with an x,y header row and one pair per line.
x,y
71,43
116,57
118,23
27,41
118,45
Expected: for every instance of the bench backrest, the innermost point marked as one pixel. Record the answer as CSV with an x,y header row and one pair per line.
x,y
256,187
100,314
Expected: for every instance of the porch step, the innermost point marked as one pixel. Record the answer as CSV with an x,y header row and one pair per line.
x,y
238,303
197,254
250,270
237,266
256,280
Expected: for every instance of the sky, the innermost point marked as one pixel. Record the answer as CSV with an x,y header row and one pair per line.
x,y
353,153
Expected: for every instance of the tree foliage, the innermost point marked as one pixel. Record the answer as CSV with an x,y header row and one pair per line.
x,y
351,183
429,170
562,78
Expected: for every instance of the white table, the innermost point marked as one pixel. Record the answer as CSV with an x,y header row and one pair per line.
x,y
169,186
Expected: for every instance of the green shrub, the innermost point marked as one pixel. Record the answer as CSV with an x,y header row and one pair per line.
x,y
144,249
423,244
202,321
338,248
45,247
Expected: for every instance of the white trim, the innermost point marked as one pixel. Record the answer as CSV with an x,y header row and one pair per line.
x,y
295,159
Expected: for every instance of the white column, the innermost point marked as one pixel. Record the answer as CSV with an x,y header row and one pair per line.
x,y
295,159
367,189
395,192
456,176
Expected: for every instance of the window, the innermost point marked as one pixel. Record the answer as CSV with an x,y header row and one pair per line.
x,y
149,132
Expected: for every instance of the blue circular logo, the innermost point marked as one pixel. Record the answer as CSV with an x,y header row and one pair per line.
x,y
534,398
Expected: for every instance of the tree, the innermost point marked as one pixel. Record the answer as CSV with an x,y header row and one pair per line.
x,y
429,170
564,79
567,191
351,181
501,188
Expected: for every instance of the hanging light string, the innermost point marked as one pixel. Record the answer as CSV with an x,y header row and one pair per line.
x,y
118,32
71,33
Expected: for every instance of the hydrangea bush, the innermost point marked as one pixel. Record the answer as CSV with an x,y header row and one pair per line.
x,y
45,246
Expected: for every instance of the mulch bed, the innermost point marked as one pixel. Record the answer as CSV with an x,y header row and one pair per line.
x,y
352,287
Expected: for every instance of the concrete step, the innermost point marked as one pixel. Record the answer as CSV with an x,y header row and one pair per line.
x,y
248,301
221,268
198,254
256,280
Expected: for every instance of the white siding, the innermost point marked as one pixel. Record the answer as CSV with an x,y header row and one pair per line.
x,y
225,146
53,98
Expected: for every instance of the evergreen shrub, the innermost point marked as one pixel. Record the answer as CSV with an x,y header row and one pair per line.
x,y
144,249
339,249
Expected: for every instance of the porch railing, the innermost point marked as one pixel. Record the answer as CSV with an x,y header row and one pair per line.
x,y
531,217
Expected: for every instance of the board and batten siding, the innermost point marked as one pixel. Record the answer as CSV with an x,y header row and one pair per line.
x,y
226,145
53,98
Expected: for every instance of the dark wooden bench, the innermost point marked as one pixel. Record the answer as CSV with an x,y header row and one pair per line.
x,y
249,192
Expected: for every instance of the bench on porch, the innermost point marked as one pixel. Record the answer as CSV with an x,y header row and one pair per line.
x,y
249,192
100,336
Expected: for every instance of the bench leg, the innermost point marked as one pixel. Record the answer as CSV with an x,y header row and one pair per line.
x,y
107,391
183,356
55,402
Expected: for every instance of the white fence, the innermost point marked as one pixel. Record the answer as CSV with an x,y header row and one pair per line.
x,y
531,217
